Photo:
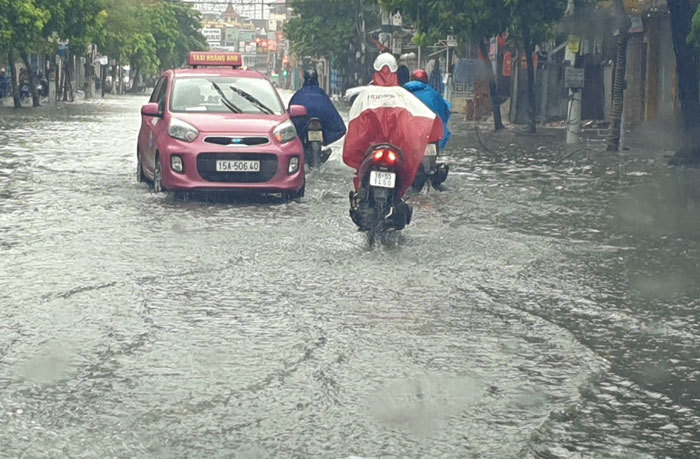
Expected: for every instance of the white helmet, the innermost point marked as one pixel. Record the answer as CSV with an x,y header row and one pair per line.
x,y
386,59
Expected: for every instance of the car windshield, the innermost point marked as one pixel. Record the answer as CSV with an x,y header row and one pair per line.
x,y
225,95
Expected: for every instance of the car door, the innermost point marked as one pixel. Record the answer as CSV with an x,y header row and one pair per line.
x,y
152,126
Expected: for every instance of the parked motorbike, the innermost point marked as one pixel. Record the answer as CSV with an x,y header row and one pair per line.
x,y
377,206
431,171
43,87
313,145
24,92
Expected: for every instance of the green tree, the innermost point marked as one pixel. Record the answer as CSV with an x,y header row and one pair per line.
x,y
474,20
23,22
332,29
479,20
78,22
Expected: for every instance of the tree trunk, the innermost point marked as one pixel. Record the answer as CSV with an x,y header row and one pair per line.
x,y
57,75
13,76
619,75
32,78
135,81
103,76
69,78
114,77
89,77
66,79
529,51
497,119
688,77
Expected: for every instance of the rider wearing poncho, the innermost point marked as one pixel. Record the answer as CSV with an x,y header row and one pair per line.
x,y
387,113
318,105
420,88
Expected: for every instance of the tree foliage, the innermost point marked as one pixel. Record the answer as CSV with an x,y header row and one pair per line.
x,y
329,28
151,34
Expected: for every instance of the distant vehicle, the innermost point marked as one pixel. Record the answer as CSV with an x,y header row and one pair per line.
x,y
430,172
212,127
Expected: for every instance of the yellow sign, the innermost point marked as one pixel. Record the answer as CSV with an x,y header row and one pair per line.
x,y
574,44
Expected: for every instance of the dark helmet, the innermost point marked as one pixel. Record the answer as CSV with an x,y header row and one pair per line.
x,y
420,75
310,76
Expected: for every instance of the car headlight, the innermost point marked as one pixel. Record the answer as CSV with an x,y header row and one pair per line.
x,y
285,132
180,130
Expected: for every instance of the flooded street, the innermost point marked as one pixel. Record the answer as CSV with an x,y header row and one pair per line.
x,y
543,306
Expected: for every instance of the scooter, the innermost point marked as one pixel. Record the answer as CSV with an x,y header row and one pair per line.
x,y
43,87
313,146
24,92
377,206
430,171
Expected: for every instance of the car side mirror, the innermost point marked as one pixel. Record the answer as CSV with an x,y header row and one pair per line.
x,y
151,109
297,111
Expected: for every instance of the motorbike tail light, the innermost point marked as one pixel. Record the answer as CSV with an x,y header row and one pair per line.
x,y
391,157
379,154
315,125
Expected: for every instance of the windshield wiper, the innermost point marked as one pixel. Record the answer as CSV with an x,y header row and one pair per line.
x,y
263,108
225,99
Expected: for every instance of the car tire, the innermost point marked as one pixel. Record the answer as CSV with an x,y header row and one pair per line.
x,y
352,99
140,176
158,177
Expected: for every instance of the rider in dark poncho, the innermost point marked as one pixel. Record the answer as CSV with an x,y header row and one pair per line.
x,y
318,105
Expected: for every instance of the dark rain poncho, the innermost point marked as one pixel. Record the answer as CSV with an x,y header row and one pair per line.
x,y
318,105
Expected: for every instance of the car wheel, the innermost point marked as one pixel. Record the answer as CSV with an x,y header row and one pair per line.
x,y
140,177
158,177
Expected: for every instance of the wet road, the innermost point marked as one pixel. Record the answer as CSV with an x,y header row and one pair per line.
x,y
541,307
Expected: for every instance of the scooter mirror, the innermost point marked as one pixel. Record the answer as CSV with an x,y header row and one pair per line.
x,y
297,111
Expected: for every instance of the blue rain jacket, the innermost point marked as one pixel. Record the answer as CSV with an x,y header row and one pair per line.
x,y
435,102
320,106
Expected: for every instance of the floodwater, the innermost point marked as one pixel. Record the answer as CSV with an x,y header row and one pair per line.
x,y
546,305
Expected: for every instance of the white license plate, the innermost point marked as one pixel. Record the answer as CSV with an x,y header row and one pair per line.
x,y
382,179
315,136
431,150
237,166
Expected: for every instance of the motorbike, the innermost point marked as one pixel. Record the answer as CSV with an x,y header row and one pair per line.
x,y
43,87
313,146
377,206
24,92
431,171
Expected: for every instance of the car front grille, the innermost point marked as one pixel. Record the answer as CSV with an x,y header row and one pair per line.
x,y
206,165
237,141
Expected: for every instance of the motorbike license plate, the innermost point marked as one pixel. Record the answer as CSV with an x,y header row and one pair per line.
x,y
382,179
237,166
431,150
315,136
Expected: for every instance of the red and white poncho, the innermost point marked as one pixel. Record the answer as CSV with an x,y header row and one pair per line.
x,y
390,114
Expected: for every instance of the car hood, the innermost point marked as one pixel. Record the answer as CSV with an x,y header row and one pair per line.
x,y
232,122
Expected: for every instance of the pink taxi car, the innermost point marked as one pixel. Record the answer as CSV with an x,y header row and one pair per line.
x,y
218,127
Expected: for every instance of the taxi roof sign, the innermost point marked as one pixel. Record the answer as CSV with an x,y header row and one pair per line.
x,y
214,58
